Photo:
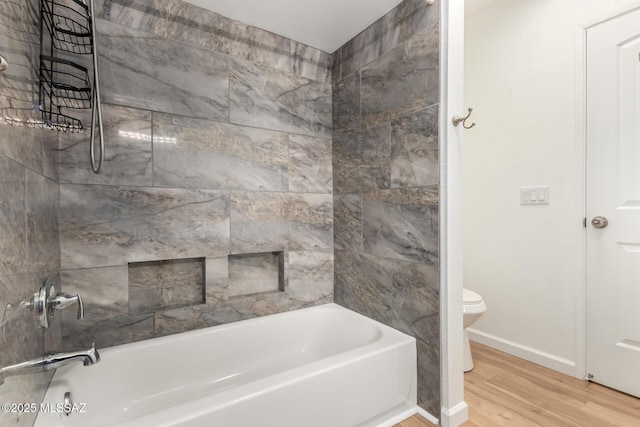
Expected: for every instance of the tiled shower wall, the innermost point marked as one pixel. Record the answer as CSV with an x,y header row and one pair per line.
x,y
218,165
29,246
386,181
219,174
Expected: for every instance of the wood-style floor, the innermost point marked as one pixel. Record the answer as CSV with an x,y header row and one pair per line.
x,y
505,391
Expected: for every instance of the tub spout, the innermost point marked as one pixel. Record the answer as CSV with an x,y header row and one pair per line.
x,y
51,361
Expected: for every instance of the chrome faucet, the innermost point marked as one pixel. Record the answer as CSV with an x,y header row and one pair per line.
x,y
43,305
50,362
46,301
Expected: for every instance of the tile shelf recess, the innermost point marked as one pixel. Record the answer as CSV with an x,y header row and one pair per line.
x,y
255,273
169,284
166,284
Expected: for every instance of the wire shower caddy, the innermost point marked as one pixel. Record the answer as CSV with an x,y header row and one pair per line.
x,y
65,84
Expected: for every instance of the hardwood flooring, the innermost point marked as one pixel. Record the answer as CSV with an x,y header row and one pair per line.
x,y
415,421
506,391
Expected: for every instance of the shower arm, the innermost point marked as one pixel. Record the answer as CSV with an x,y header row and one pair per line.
x,y
97,106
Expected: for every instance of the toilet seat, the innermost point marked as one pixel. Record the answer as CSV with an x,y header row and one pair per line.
x,y
470,297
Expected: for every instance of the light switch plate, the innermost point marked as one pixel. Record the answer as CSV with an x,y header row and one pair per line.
x,y
534,195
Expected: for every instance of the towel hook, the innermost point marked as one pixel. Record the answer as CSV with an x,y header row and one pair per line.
x,y
456,120
3,64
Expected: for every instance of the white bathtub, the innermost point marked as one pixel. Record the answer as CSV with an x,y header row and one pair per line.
x,y
323,366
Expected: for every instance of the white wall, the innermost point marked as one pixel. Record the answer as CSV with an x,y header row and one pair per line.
x,y
520,78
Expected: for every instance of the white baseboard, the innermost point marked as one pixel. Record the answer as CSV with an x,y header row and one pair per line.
x,y
453,417
408,414
400,417
542,358
427,416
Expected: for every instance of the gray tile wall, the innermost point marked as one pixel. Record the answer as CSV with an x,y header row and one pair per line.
x,y
386,182
29,245
218,140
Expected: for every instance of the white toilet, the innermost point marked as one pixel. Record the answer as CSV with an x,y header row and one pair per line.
x,y
472,308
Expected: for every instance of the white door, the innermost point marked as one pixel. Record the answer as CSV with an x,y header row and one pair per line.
x,y
613,192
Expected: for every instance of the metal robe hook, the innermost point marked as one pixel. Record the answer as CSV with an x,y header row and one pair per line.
x,y
456,120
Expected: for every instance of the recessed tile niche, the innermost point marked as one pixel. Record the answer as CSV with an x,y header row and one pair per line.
x,y
255,273
160,285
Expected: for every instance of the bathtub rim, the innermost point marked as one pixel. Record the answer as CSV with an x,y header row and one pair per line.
x,y
179,336
390,339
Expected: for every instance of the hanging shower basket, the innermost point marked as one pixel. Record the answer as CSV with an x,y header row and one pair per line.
x,y
65,84
69,25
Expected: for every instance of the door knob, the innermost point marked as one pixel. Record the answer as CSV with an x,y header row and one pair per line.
x,y
600,222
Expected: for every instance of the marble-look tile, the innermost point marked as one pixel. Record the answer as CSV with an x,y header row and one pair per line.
x,y
263,222
363,283
202,316
20,340
310,169
104,292
127,147
107,333
254,44
336,66
216,279
20,148
407,19
19,42
414,149
12,11
12,218
402,224
347,222
108,225
255,273
160,285
50,155
361,159
21,19
415,299
380,77
194,153
26,388
429,373
161,75
187,319
272,99
144,15
202,28
346,103
401,294
22,144
404,80
362,49
310,62
43,244
310,275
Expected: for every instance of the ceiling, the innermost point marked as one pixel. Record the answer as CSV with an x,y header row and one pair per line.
x,y
323,24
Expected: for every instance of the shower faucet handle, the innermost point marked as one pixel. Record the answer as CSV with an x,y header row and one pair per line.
x,y
46,301
63,300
